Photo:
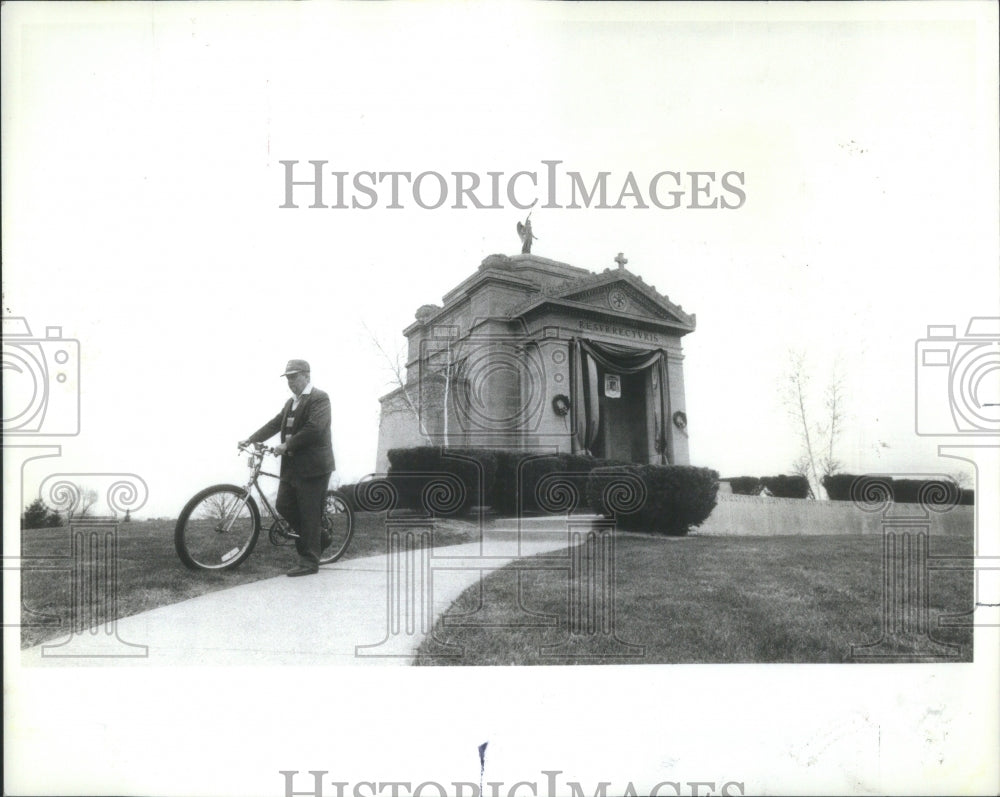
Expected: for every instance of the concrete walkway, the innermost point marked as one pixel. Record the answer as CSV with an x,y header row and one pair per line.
x,y
320,619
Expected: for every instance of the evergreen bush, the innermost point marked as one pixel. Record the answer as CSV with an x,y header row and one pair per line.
x,y
528,482
441,481
904,491
512,481
745,485
37,515
787,486
666,499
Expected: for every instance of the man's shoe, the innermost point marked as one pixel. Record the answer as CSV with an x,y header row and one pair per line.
x,y
302,570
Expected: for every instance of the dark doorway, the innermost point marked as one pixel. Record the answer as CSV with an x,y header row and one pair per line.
x,y
622,434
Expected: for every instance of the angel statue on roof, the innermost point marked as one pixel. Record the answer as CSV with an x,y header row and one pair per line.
x,y
524,231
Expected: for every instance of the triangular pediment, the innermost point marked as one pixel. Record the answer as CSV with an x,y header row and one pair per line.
x,y
619,293
619,297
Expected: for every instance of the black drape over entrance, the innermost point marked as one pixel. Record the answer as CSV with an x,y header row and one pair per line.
x,y
585,356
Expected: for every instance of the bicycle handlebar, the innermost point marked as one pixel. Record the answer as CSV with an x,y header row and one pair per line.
x,y
258,449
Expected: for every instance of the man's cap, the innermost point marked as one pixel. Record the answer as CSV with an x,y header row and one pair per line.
x,y
296,366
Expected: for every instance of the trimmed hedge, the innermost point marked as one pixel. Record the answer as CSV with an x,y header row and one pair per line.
x,y
442,481
547,482
778,486
560,477
349,491
838,486
904,491
744,485
787,486
367,495
667,499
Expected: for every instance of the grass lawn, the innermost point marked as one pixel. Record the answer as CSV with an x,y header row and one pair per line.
x,y
151,575
710,599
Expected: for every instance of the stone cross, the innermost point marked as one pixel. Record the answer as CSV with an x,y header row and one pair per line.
x,y
621,260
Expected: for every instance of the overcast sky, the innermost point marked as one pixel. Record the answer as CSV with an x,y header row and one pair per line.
x,y
142,187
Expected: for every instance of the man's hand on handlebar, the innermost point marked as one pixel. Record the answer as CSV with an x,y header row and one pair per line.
x,y
246,445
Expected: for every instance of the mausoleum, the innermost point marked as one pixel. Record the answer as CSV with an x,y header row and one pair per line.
x,y
536,355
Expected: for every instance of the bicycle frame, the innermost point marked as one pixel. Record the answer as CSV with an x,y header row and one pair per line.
x,y
256,462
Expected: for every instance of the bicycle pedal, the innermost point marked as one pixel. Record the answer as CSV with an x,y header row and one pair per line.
x,y
279,536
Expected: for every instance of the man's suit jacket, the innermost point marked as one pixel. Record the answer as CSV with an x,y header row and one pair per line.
x,y
309,446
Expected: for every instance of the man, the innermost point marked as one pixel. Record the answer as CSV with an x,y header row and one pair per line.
x,y
306,462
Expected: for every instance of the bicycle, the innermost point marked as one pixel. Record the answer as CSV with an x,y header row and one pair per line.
x,y
218,528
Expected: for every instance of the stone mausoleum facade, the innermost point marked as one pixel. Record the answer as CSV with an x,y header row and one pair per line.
x,y
536,355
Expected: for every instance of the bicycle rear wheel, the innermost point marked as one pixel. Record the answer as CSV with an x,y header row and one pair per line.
x,y
218,528
337,527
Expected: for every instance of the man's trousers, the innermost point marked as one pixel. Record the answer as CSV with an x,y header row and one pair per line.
x,y
301,502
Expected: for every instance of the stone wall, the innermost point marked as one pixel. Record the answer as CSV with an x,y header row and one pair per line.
x,y
760,515
397,428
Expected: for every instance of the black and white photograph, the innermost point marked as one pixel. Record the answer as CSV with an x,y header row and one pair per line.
x,y
495,399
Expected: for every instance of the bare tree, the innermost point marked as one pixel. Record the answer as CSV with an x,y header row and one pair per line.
x,y
219,505
801,467
963,479
87,497
818,441
835,418
398,374
434,387
795,400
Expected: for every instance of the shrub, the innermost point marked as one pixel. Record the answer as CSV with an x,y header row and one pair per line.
x,y
668,499
778,486
37,515
838,486
510,479
520,474
745,485
349,493
910,491
904,491
787,486
441,481
503,496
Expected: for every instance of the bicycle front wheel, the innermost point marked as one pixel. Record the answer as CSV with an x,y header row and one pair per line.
x,y
218,528
337,527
